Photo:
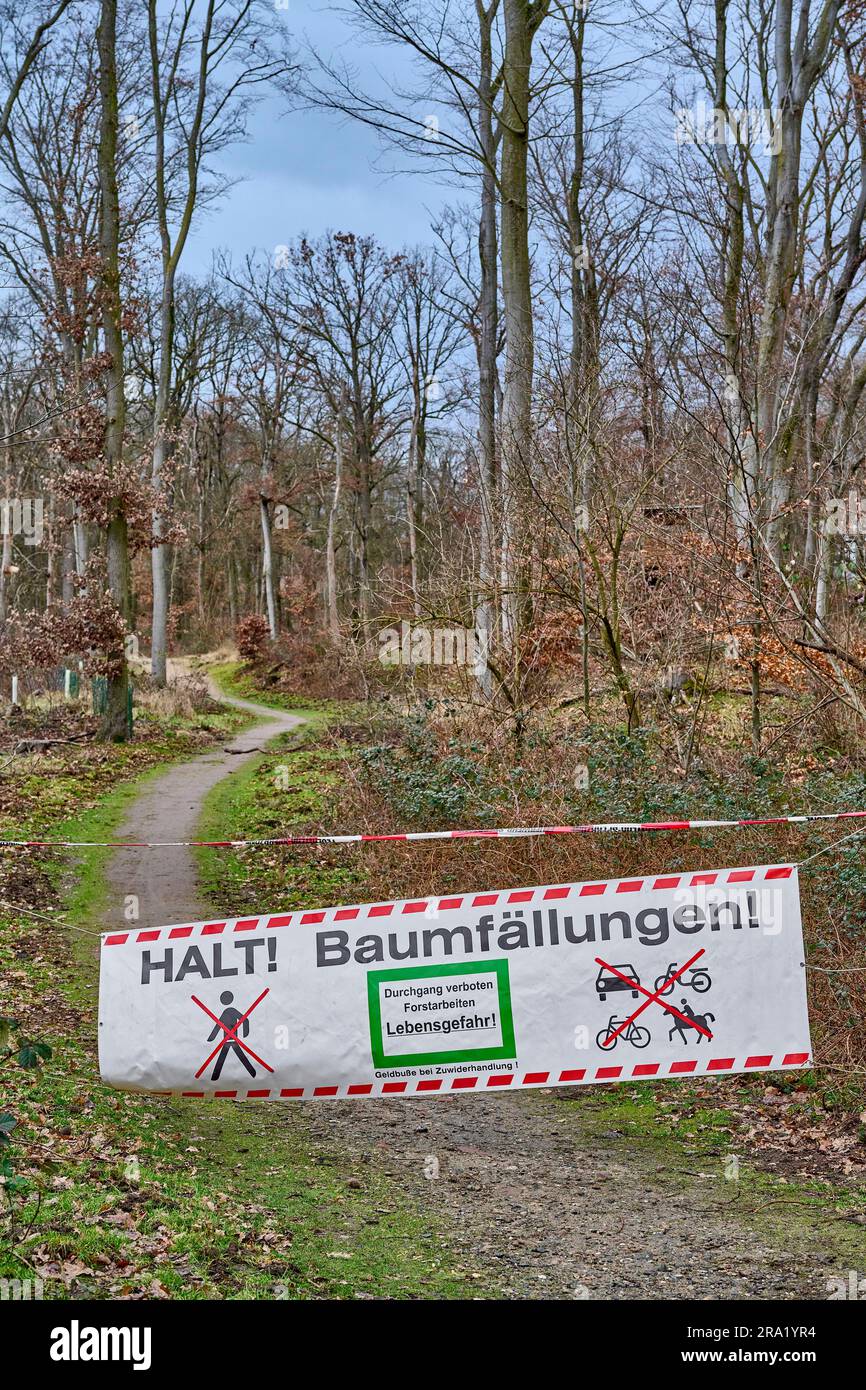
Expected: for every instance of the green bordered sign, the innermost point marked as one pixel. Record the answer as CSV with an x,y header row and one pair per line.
x,y
440,1013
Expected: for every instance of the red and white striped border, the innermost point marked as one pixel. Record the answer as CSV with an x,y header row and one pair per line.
x,y
645,1071
500,898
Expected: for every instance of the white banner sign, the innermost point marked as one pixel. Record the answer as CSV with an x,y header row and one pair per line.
x,y
676,975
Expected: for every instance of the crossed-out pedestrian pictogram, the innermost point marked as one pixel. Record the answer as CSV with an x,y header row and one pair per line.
x,y
230,1034
653,997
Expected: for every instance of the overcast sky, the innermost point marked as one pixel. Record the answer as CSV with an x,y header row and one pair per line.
x,y
310,171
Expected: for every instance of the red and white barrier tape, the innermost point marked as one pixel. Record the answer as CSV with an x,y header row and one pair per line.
x,y
506,833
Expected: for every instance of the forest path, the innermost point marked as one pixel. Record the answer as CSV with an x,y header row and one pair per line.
x,y
556,1204
166,883
538,1192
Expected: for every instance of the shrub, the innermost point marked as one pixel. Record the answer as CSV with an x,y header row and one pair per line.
x,y
252,636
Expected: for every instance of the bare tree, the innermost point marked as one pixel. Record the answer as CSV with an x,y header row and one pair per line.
x,y
25,33
201,83
522,20
269,377
460,69
345,301
431,336
117,544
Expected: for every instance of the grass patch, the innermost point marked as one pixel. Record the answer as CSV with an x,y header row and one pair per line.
x,y
158,1198
235,679
291,789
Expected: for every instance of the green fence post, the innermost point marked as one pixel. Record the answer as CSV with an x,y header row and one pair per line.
x,y
99,691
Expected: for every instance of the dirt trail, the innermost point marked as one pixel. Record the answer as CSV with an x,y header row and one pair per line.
x,y
169,809
540,1194
556,1205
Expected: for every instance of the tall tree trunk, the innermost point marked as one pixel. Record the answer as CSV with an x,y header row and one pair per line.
x,y
6,520
170,259
67,566
581,411
200,583
331,552
582,404
488,332
521,21
799,67
114,724
80,541
823,567
233,592
413,499
363,556
51,567
363,516
159,551
742,486
268,566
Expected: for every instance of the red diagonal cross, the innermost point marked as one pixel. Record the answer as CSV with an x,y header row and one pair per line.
x,y
653,998
231,1033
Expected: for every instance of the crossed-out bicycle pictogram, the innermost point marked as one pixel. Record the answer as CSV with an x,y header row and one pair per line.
x,y
652,997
